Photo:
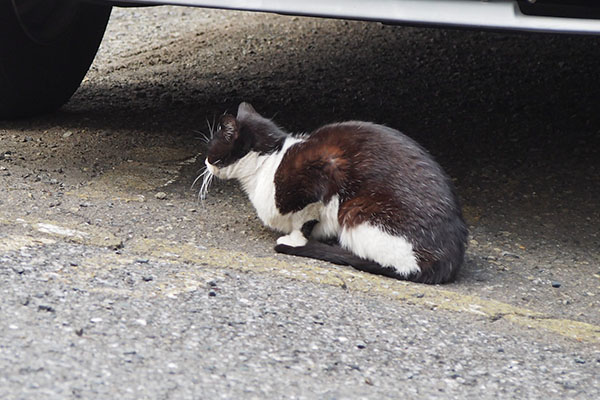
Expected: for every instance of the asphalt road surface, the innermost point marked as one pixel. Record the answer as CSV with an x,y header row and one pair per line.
x,y
117,282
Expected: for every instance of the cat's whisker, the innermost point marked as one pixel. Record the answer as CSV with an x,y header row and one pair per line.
x,y
207,180
205,170
211,127
199,199
214,125
203,136
206,176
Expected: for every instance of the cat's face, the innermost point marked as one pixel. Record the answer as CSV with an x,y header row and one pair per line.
x,y
225,147
235,137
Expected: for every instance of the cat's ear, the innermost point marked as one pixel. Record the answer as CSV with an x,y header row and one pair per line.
x,y
245,109
229,128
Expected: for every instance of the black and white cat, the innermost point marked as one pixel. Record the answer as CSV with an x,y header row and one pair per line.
x,y
351,193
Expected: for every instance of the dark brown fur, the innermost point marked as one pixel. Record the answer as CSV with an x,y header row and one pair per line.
x,y
384,178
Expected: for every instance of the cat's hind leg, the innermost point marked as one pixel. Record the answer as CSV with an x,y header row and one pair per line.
x,y
373,243
319,232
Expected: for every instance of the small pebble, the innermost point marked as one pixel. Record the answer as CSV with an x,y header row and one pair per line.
x,y
509,254
161,195
579,361
212,293
67,134
18,269
555,284
44,307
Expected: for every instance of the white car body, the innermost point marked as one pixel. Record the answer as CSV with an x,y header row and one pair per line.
x,y
477,14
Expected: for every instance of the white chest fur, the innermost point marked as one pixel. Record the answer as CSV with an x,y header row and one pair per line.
x,y
260,187
256,173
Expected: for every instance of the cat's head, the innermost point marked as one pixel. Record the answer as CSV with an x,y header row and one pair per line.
x,y
236,138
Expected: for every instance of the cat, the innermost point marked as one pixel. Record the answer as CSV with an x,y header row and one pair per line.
x,y
351,193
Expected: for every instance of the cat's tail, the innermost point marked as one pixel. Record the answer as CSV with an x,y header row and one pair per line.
x,y
337,255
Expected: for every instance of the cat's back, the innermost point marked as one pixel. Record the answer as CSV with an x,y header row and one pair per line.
x,y
359,136
378,153
366,161
384,172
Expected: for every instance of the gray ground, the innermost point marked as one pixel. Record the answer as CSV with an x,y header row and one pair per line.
x,y
117,283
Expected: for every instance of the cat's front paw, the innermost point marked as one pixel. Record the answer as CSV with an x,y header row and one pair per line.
x,y
294,239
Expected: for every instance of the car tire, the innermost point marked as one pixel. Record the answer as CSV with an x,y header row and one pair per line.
x,y
46,48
